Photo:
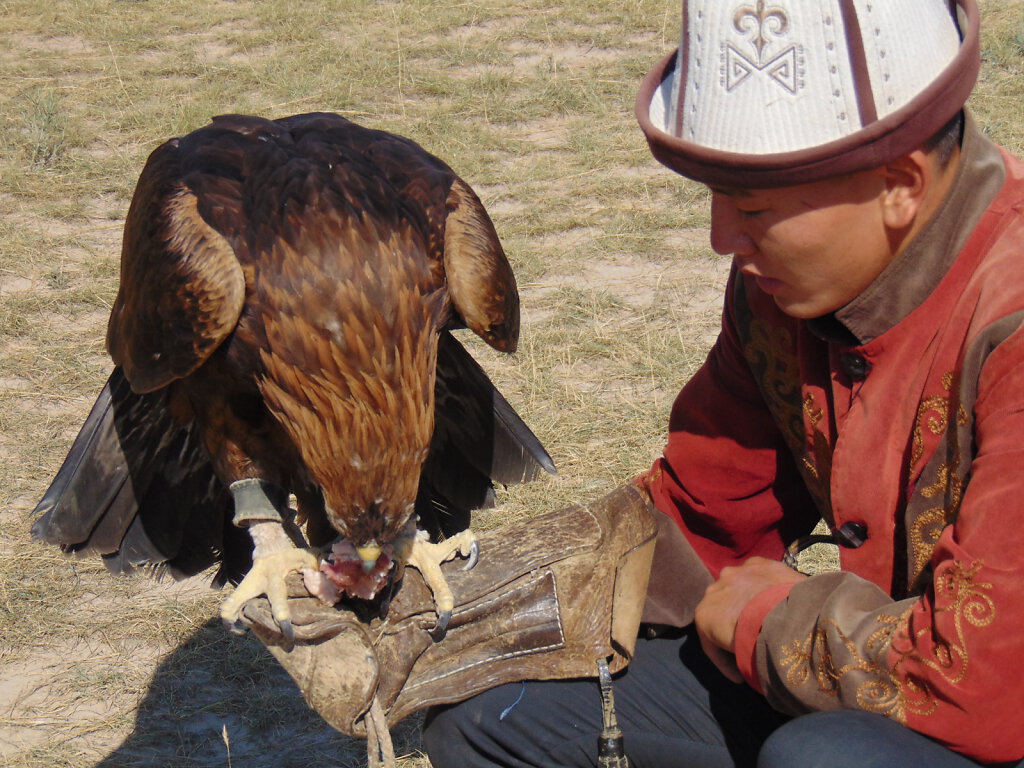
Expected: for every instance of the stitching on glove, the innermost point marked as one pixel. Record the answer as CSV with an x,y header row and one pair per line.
x,y
509,654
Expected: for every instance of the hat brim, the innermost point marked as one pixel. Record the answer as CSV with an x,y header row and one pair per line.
x,y
895,135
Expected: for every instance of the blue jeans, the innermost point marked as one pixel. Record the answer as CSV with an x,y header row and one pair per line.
x,y
675,710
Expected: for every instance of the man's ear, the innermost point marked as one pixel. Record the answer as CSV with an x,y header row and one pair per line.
x,y
908,180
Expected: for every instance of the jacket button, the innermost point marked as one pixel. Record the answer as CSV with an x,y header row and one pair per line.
x,y
851,535
856,367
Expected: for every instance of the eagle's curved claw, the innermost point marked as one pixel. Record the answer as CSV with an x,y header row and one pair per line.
x,y
287,629
441,628
474,556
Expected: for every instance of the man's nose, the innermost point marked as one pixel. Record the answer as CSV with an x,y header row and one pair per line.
x,y
728,235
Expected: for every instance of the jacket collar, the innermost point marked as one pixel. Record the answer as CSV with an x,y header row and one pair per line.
x,y
912,276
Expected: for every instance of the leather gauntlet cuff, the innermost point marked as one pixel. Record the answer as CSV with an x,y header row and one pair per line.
x,y
549,597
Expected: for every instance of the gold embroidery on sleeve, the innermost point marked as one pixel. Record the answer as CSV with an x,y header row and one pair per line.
x,y
958,594
831,659
832,656
924,529
938,422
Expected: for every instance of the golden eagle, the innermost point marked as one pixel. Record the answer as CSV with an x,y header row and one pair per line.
x,y
282,331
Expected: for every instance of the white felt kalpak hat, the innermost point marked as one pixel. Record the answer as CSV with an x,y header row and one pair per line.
x,y
765,93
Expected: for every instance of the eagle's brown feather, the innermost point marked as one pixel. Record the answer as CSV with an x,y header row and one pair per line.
x,y
479,278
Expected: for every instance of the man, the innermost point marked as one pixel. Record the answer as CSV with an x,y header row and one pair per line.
x,y
869,371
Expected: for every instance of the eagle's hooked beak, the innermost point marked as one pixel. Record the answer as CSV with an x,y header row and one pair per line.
x,y
368,555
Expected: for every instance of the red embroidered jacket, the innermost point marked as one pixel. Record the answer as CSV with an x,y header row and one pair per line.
x,y
902,419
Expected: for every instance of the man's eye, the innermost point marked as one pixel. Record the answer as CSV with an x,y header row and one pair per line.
x,y
751,212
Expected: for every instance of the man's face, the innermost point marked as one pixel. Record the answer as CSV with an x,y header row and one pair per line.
x,y
812,247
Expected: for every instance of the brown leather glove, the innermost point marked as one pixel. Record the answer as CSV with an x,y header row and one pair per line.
x,y
548,598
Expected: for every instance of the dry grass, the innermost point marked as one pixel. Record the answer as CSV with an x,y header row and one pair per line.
x,y
531,103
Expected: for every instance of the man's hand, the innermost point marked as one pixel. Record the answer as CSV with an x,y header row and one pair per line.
x,y
718,613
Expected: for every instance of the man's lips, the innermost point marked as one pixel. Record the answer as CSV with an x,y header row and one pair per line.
x,y
769,285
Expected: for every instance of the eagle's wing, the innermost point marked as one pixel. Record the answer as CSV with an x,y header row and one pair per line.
x,y
119,493
480,279
182,287
478,440
137,488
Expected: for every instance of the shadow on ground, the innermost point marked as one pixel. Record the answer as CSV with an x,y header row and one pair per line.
x,y
217,683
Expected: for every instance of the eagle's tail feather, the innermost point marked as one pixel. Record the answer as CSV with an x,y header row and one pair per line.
x,y
137,489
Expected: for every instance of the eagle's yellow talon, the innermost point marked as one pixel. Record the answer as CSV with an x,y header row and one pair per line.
x,y
426,557
267,577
